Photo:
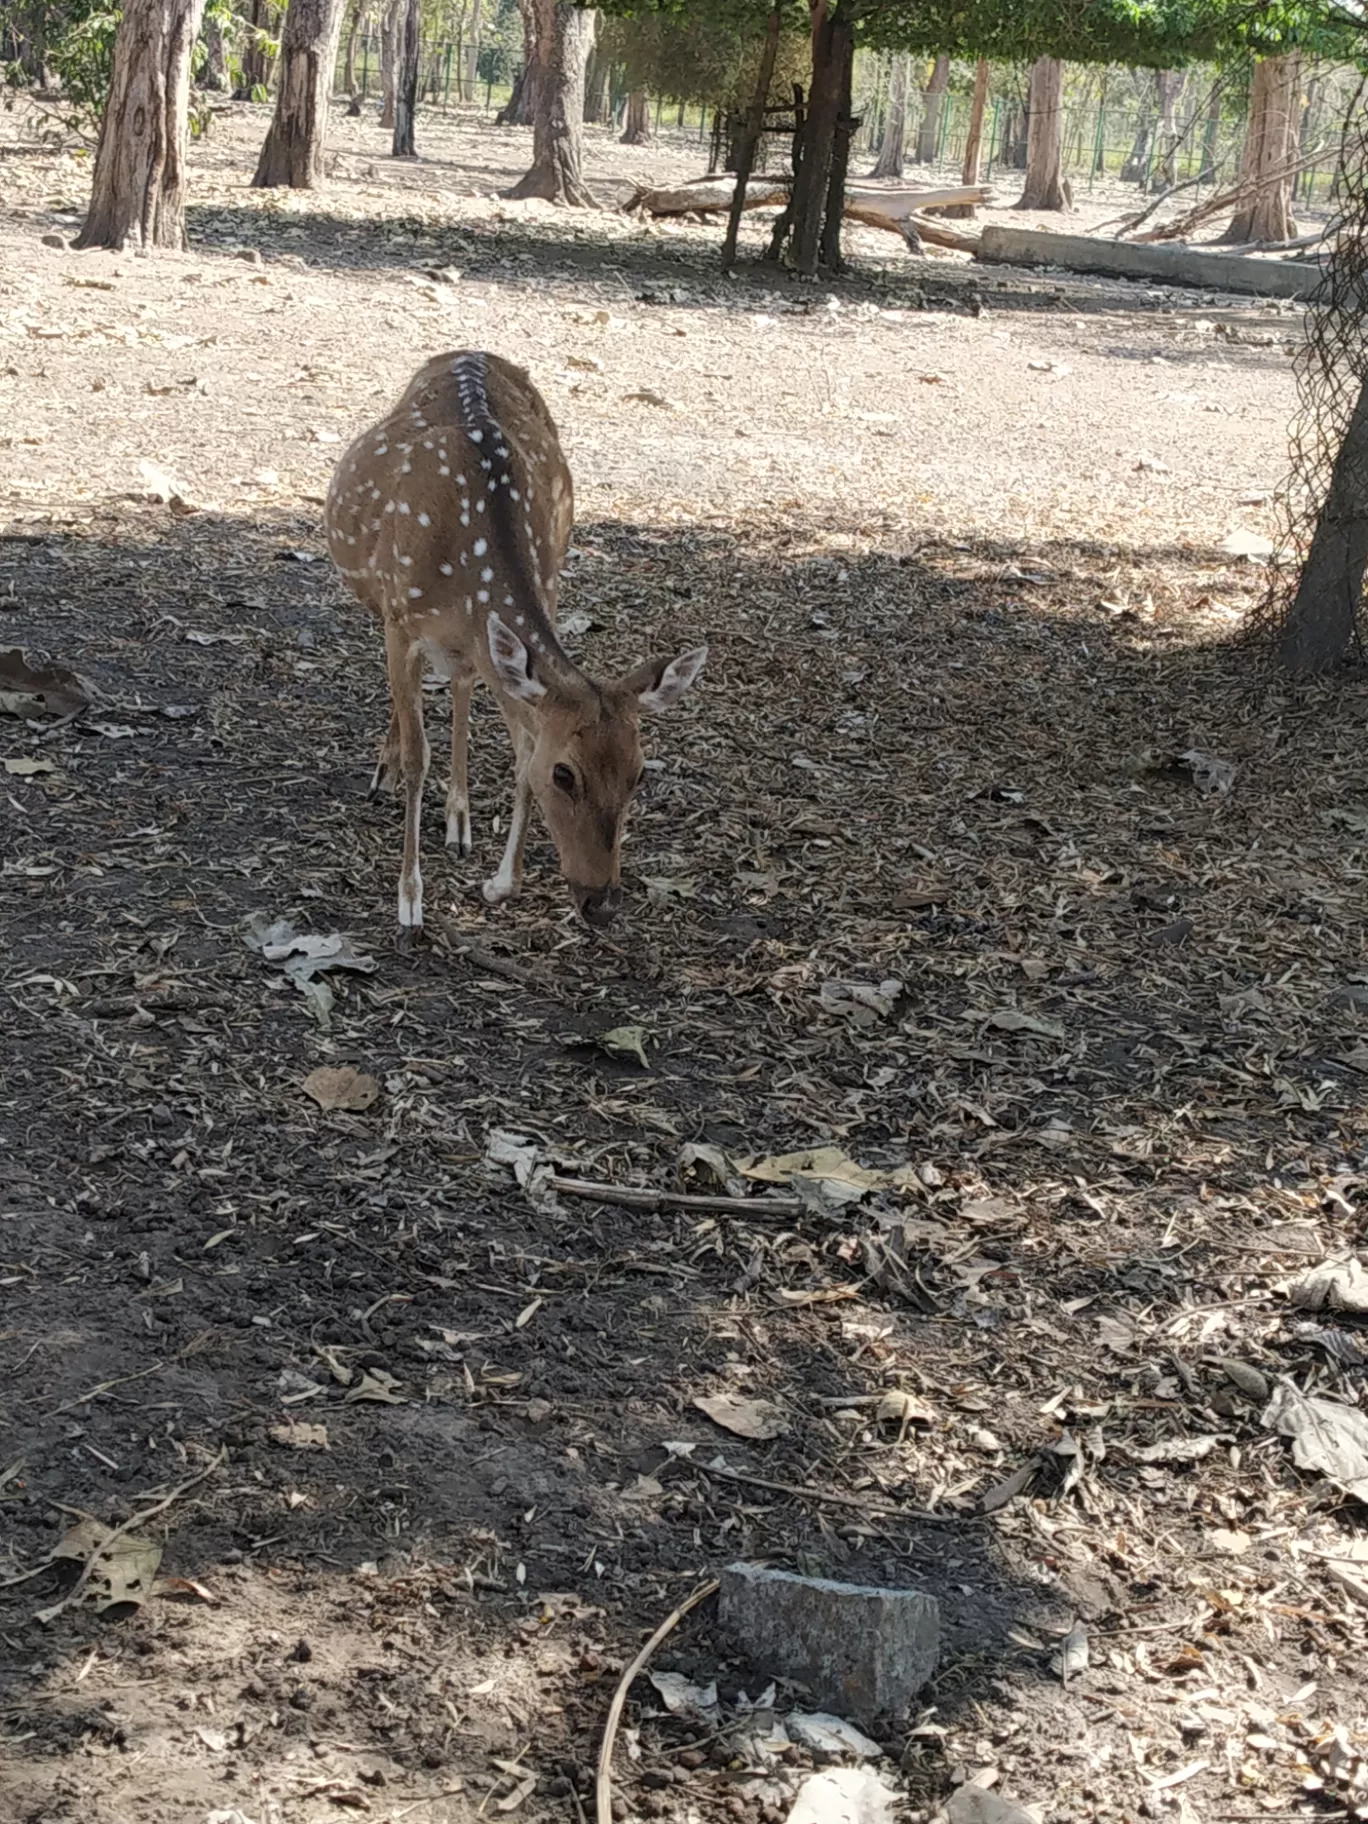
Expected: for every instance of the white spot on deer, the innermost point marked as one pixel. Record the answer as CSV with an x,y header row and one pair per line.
x,y
445,569
522,618
513,492
470,606
508,601
482,595
414,594
424,519
486,575
492,484
479,504
389,506
406,467
465,519
477,436
443,469
464,559
406,562
382,449
403,506
427,443
481,546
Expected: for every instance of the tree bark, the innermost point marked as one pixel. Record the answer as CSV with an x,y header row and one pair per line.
x,y
138,192
755,120
973,139
933,110
215,75
1045,188
564,36
890,160
391,29
807,209
256,67
1273,100
409,50
636,130
293,152
1322,623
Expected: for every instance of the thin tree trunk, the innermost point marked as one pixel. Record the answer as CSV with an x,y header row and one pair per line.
x,y
933,111
349,62
470,74
1213,130
1169,87
1273,100
564,36
215,73
254,69
637,127
1045,188
404,144
520,110
596,82
973,139
840,163
391,28
755,120
138,191
890,160
293,152
808,203
1322,623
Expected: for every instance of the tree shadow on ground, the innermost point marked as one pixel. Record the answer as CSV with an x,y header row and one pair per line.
x,y
917,878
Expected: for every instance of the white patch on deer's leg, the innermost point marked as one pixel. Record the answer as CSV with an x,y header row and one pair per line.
x,y
405,662
458,794
503,885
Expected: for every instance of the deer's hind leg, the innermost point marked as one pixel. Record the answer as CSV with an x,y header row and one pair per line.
x,y
458,791
405,662
387,772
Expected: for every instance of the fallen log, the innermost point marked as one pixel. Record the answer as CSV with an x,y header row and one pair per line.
x,y
1208,269
912,225
712,195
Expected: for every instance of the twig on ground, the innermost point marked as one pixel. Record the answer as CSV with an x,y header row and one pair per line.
x,y
634,1197
870,1508
603,1795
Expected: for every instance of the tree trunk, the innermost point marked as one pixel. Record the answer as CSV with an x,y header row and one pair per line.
x,y
520,110
1213,130
391,30
973,139
1045,187
215,74
1267,216
755,120
1322,623
138,192
840,164
933,111
809,201
564,37
349,61
1169,85
890,160
636,129
596,81
470,73
409,49
293,152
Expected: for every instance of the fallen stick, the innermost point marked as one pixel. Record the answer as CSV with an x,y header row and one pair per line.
x,y
634,1197
603,1791
872,1508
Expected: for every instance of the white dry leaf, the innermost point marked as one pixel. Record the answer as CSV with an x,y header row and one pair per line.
x,y
530,1166
1229,1541
1072,1657
377,1386
860,1001
831,1735
1252,545
1327,1436
295,1434
1340,1285
682,1697
27,766
745,1418
844,1795
1173,1450
1011,1019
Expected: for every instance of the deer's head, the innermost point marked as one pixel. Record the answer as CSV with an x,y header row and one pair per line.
x,y
585,760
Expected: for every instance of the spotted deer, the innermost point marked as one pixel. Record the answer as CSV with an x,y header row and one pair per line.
x,y
450,519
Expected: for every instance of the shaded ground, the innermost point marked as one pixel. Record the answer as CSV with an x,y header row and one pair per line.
x,y
956,604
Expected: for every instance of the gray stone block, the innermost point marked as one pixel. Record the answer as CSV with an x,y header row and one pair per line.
x,y
861,1651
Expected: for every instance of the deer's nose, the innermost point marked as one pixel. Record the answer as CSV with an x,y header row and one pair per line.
x,y
599,905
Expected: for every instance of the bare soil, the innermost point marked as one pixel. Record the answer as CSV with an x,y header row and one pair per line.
x,y
954,539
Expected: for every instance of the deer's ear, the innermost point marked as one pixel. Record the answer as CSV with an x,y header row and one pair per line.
x,y
512,663
660,683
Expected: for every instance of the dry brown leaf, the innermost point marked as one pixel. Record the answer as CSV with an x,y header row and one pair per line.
x,y
746,1418
340,1086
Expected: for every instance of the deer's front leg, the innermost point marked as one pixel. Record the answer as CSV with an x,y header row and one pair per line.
x,y
405,662
458,795
506,882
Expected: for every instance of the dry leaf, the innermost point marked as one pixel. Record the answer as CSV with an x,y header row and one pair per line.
x,y
296,1435
340,1087
25,766
40,690
746,1418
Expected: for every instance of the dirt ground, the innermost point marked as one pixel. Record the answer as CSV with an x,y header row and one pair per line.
x,y
910,879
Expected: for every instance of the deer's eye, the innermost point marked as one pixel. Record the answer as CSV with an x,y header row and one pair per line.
x,y
563,780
